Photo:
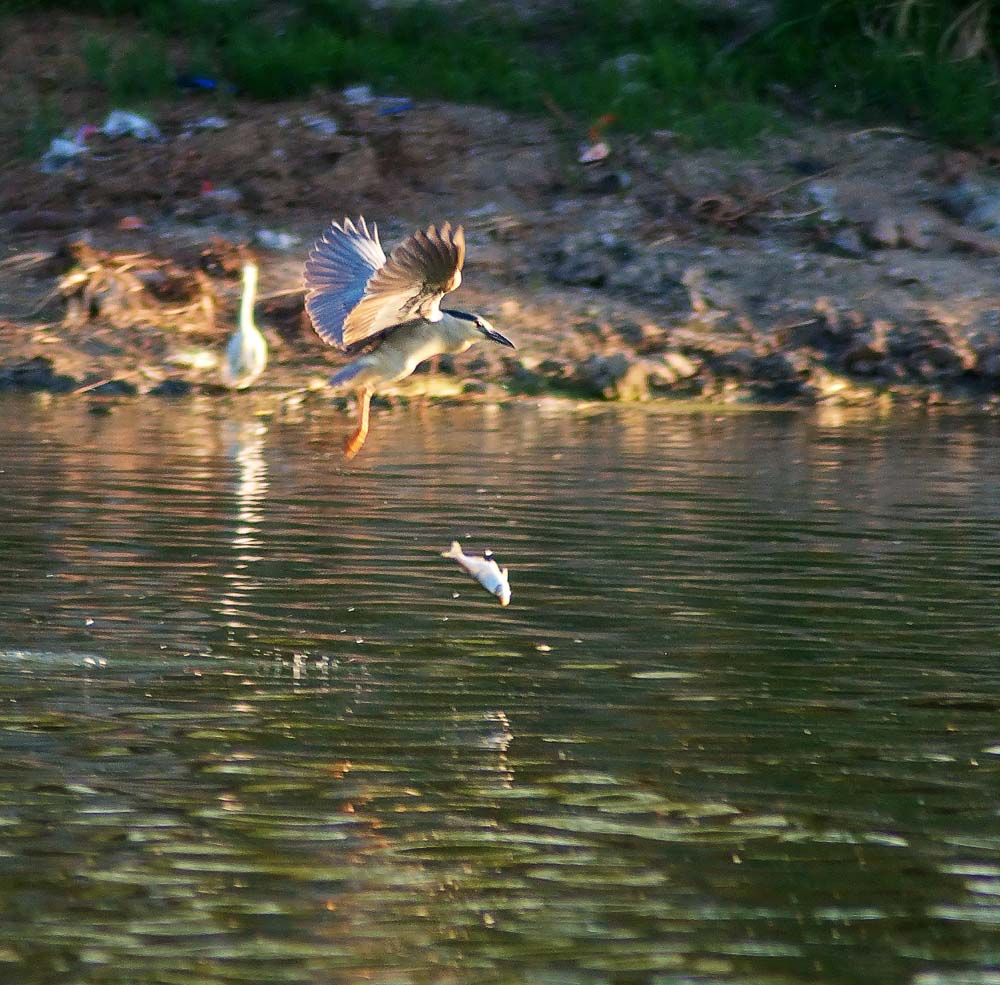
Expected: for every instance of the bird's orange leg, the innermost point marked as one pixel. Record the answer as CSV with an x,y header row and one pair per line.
x,y
353,444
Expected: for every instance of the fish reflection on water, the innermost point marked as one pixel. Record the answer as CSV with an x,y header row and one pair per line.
x,y
750,736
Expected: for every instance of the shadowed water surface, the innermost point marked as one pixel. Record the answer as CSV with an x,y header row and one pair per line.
x,y
738,725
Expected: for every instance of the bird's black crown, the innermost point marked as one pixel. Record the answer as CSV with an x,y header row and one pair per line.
x,y
465,316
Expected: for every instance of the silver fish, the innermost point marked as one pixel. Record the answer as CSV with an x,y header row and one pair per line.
x,y
484,569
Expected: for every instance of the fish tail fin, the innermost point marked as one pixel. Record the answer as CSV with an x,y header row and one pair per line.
x,y
454,551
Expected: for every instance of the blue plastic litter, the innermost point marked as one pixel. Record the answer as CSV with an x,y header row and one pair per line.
x,y
396,107
202,82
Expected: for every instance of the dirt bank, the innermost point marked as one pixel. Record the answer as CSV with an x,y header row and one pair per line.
x,y
824,265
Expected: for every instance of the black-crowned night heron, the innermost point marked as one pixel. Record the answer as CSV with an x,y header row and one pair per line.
x,y
388,310
246,354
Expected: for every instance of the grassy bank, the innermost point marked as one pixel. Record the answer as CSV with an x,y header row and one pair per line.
x,y
714,73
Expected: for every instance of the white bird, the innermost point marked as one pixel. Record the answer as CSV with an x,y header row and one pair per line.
x,y
246,354
354,295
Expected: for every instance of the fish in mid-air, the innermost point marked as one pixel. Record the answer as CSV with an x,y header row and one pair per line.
x,y
484,569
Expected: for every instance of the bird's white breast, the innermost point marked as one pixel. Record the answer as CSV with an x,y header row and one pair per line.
x,y
404,351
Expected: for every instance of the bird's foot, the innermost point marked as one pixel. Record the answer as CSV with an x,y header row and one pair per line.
x,y
354,443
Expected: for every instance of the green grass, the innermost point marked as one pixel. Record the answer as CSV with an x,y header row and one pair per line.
x,y
520,67
902,61
132,75
44,122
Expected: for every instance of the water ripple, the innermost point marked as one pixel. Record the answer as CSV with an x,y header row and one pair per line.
x,y
738,724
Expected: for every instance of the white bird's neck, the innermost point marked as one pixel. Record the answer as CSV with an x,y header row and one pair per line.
x,y
249,295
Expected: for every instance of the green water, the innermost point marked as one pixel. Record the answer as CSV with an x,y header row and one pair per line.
x,y
739,724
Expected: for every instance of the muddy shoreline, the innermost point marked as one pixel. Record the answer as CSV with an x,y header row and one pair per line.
x,y
827,264
161,331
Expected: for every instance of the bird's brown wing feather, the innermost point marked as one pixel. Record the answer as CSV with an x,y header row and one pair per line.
x,y
410,285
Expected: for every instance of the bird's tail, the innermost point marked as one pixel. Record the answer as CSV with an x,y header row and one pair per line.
x,y
454,551
348,374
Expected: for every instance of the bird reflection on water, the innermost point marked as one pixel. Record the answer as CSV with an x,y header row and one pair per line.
x,y
246,448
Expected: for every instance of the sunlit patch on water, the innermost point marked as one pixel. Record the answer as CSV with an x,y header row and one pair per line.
x,y
738,724
45,659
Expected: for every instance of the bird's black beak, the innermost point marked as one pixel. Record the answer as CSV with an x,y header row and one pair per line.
x,y
494,336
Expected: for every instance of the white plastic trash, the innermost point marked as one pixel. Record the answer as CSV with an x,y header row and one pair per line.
x,y
593,153
277,241
60,153
358,95
122,123
210,123
319,123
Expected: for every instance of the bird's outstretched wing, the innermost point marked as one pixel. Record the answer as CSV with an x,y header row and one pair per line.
x,y
406,287
339,268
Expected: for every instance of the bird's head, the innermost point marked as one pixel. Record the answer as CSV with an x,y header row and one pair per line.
x,y
481,326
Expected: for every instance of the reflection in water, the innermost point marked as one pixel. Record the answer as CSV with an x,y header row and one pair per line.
x,y
251,487
739,724
244,442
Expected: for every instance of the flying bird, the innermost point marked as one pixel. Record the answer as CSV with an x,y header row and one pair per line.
x,y
388,311
246,354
